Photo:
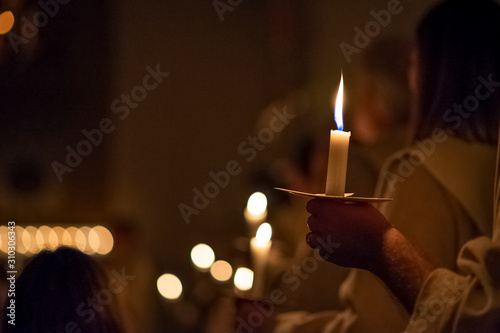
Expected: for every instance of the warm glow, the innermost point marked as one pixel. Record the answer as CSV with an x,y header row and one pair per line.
x,y
6,22
4,237
52,241
29,239
202,256
46,238
41,235
80,240
169,286
68,238
339,120
243,279
59,232
104,239
264,233
221,270
257,203
20,248
88,240
25,240
93,238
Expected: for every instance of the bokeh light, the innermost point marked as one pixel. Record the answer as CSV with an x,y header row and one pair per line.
x,y
20,248
202,256
101,240
4,236
59,231
69,235
88,240
221,270
169,286
29,239
6,22
243,279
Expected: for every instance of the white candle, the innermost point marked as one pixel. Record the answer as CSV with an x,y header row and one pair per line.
x,y
260,246
256,211
339,148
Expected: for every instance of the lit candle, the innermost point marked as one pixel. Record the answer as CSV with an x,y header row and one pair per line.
x,y
256,211
243,279
260,246
339,147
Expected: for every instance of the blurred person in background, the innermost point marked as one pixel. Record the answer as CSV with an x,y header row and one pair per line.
x,y
380,107
66,291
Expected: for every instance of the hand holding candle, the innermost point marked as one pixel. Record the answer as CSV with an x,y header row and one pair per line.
x,y
338,151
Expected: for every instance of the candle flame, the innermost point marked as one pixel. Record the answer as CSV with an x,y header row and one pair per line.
x,y
202,256
243,279
257,203
264,233
338,105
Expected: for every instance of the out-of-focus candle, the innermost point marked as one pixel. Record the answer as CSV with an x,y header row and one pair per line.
x,y
339,148
256,211
260,246
243,279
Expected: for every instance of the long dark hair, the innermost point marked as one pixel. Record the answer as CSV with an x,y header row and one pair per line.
x,y
458,42
51,289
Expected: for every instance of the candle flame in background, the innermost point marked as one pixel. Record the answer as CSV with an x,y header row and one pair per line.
x,y
202,256
264,233
339,120
243,279
169,286
257,203
6,22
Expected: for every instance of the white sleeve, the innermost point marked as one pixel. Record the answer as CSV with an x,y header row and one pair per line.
x,y
449,302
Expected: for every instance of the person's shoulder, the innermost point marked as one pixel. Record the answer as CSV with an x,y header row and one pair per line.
x,y
402,167
435,158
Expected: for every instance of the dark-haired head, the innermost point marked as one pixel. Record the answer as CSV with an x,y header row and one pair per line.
x,y
458,43
53,292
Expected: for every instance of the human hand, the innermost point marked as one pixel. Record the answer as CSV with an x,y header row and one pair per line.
x,y
347,234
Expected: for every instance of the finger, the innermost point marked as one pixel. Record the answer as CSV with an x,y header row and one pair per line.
x,y
313,224
311,240
321,206
312,206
